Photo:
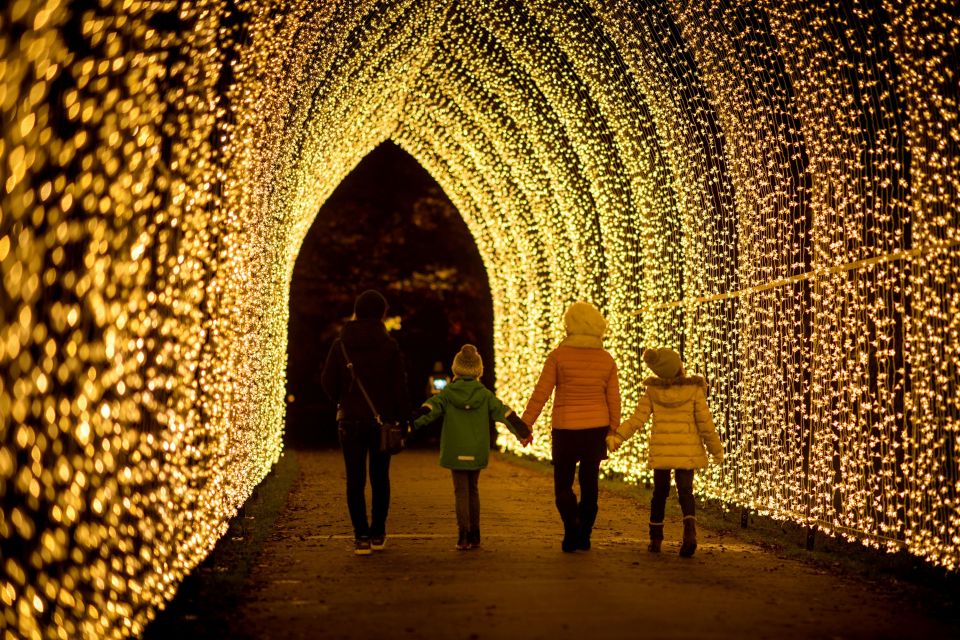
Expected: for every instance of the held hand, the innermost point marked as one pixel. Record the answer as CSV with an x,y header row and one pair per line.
x,y
419,412
422,410
613,442
518,426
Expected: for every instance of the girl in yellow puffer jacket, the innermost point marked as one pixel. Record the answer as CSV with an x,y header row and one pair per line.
x,y
682,427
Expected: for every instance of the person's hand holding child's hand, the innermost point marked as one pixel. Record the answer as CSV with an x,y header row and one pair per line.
x,y
614,440
519,426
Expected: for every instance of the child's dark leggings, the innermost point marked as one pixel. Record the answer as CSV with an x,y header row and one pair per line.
x,y
661,489
468,498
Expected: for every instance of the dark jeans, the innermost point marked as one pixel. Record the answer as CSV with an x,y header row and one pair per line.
x,y
661,489
468,498
358,440
572,446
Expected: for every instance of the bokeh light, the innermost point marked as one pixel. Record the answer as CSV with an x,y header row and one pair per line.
x,y
770,187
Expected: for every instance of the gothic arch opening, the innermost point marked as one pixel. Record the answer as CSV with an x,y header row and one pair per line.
x,y
388,226
770,188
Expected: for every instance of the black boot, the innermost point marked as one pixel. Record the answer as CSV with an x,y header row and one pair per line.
x,y
689,544
583,538
656,537
473,537
462,542
570,541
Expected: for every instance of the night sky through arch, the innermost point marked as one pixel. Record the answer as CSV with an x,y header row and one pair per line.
x,y
390,227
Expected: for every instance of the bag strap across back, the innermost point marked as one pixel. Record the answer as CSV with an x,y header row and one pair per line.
x,y
353,372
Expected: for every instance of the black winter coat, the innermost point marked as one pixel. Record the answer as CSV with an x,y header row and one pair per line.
x,y
377,361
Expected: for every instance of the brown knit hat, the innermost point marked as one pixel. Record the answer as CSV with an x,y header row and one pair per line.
x,y
467,363
664,362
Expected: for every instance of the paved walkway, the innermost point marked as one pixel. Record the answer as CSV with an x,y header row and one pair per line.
x,y
308,583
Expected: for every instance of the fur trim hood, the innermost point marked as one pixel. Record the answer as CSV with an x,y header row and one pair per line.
x,y
581,341
676,381
583,318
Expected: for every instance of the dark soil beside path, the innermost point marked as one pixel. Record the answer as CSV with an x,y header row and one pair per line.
x,y
308,584
206,601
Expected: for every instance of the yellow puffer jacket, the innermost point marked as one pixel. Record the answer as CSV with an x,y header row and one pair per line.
x,y
682,424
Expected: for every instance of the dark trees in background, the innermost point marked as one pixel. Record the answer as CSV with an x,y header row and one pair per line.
x,y
390,227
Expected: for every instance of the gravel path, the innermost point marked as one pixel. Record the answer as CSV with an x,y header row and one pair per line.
x,y
308,583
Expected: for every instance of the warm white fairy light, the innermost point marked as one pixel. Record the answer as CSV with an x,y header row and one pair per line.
x,y
771,187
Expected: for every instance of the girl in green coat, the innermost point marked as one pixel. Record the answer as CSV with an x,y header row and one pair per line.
x,y
467,408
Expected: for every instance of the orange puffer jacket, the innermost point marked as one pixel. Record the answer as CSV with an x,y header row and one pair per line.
x,y
588,391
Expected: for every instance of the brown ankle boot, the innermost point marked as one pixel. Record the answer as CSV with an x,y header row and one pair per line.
x,y
689,544
656,537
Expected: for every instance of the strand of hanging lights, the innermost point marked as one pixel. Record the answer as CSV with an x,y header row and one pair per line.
x,y
770,188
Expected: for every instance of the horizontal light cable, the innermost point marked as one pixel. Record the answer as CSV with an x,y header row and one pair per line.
x,y
896,256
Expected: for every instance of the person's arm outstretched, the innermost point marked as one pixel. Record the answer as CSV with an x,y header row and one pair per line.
x,y
632,424
499,412
541,392
705,426
431,409
613,398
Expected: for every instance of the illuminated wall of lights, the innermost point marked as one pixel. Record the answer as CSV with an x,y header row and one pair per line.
x,y
770,187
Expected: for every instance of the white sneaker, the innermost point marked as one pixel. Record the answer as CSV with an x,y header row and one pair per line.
x,y
361,547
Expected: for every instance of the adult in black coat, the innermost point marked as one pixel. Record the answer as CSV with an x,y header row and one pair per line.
x,y
378,364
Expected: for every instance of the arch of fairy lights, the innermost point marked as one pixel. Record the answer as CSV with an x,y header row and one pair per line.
x,y
770,187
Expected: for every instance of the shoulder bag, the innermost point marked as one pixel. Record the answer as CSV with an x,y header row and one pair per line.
x,y
391,435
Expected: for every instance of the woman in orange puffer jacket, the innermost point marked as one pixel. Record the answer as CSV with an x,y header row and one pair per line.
x,y
586,408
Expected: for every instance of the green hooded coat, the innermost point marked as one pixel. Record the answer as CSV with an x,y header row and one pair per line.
x,y
467,408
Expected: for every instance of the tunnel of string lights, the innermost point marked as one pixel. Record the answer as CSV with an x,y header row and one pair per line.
x,y
769,187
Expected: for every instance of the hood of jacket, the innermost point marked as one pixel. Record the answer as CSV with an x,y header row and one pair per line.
x,y
677,381
365,333
584,319
673,392
581,341
466,393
